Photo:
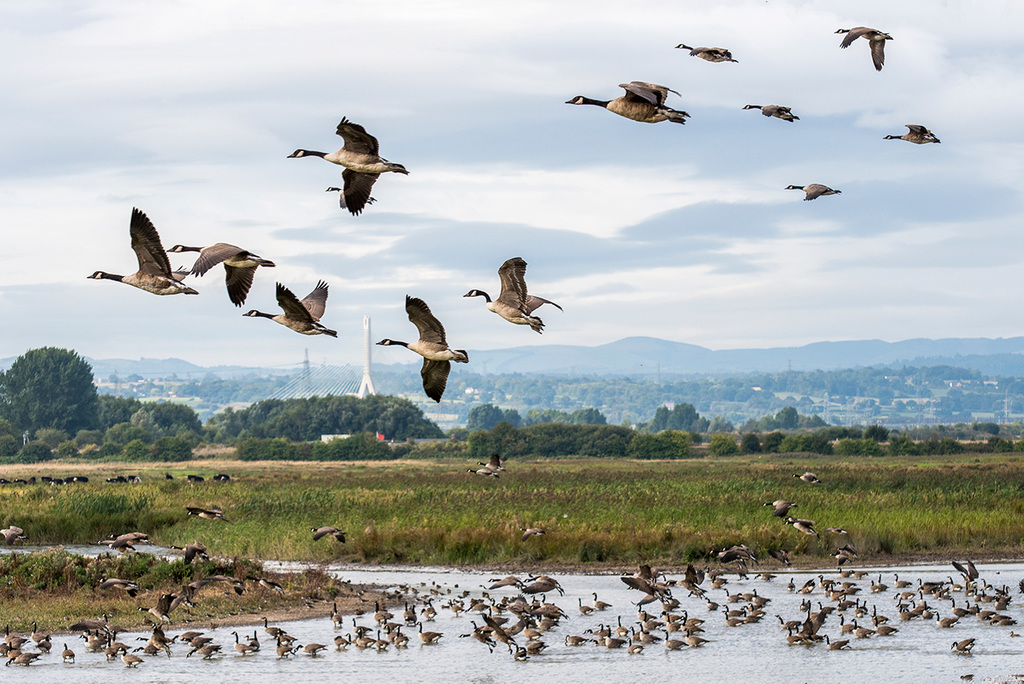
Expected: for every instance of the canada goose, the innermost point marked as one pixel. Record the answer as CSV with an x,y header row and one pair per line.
x,y
13,534
131,588
341,196
206,513
532,532
814,191
154,274
494,463
131,660
313,649
236,584
808,476
542,585
643,102
320,532
805,526
363,164
162,608
301,316
432,346
781,507
239,266
778,111
67,655
964,646
946,623
24,659
510,581
514,304
243,649
875,37
696,641
486,472
837,530
780,555
429,638
600,605
836,645
207,651
711,54
917,134
192,551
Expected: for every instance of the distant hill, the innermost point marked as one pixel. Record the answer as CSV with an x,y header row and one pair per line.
x,y
648,356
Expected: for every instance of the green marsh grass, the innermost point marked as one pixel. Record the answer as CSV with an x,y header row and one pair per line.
x,y
599,511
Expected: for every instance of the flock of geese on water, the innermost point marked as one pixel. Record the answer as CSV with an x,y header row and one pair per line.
x,y
363,165
839,613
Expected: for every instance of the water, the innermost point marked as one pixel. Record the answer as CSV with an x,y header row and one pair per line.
x,y
920,652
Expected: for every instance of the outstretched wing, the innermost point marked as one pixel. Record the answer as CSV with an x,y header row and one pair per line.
x,y
356,137
512,274
435,377
316,301
148,249
356,193
429,327
293,308
213,255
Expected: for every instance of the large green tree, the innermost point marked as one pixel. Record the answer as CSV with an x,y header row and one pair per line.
x,y
49,388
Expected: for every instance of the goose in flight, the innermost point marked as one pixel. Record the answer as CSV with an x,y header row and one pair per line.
x,y
320,532
711,54
239,266
644,102
154,274
432,346
919,135
514,304
814,190
778,111
362,161
875,37
301,316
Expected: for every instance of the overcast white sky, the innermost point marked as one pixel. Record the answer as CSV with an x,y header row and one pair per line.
x,y
189,109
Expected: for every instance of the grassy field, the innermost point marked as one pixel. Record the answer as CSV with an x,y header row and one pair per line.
x,y
596,512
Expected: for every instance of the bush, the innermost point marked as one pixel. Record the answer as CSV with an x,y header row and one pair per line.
x,y
858,447
88,437
772,441
274,449
67,449
35,452
723,445
51,436
9,446
876,433
122,433
902,445
664,445
135,450
750,444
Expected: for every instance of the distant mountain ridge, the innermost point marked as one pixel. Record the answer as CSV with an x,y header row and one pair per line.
x,y
649,356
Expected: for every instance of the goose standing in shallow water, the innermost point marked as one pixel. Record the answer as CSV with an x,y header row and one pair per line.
x,y
514,304
778,111
919,135
814,190
239,266
710,54
432,346
154,274
363,164
876,39
301,316
643,102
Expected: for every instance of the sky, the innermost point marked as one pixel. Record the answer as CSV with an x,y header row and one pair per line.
x,y
188,111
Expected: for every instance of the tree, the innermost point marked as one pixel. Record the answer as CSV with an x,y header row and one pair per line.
x,y
750,444
113,410
876,433
49,388
787,418
484,417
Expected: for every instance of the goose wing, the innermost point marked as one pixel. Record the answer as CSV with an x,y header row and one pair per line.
x,y
356,193
513,283
213,255
533,303
852,35
430,328
238,281
146,243
435,377
323,532
639,91
293,308
878,53
356,137
316,301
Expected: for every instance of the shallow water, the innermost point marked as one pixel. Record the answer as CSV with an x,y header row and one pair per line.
x,y
920,652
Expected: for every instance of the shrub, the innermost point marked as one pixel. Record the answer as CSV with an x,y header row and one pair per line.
x,y
723,445
66,449
51,436
902,445
35,452
172,449
858,447
274,449
876,433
